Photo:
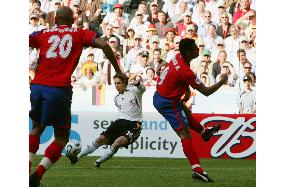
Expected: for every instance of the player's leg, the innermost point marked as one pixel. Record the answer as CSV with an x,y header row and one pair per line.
x,y
206,133
126,132
34,141
53,151
35,114
90,148
175,116
119,142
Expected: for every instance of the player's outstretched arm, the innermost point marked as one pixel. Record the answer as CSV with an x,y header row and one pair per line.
x,y
99,43
211,89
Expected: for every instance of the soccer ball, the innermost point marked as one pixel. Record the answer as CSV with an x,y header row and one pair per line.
x,y
73,147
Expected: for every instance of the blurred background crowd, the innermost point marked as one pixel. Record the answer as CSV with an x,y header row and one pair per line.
x,y
145,34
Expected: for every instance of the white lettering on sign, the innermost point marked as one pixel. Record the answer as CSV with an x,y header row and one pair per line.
x,y
232,136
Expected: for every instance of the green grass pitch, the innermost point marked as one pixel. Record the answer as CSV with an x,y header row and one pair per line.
x,y
148,172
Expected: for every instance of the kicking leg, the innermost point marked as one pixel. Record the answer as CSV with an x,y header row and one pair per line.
x,y
119,142
192,157
88,149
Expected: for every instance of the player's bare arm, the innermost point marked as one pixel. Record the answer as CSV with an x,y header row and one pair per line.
x,y
99,43
210,90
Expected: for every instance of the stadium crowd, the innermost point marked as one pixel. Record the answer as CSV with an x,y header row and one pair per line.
x,y
145,34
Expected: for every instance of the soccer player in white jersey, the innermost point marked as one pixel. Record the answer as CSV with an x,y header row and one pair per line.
x,y
127,128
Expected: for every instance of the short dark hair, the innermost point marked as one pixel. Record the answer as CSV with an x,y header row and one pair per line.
x,y
122,76
187,44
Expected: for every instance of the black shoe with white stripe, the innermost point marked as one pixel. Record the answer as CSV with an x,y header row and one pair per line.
x,y
209,132
201,177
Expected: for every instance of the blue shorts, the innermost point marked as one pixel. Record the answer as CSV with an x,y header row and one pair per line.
x,y
51,105
171,110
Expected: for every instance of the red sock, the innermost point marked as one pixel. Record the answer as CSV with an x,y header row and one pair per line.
x,y
53,152
191,155
33,143
33,147
195,125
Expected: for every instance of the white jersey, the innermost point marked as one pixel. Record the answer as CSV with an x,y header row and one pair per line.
x,y
129,103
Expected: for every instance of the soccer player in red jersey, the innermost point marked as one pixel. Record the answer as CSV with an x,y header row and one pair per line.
x,y
171,85
51,90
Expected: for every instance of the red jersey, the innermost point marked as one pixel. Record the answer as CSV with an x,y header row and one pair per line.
x,y
175,79
60,50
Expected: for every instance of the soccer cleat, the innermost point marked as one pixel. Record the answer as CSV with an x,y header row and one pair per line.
x,y
72,158
98,164
34,180
209,132
201,177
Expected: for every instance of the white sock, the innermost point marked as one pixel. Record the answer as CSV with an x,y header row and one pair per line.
x,y
45,162
31,156
88,149
107,155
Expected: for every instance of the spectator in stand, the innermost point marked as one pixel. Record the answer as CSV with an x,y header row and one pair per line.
x,y
220,47
154,44
201,46
140,27
203,67
222,58
163,25
170,8
117,18
213,7
50,17
89,60
109,33
253,78
80,18
92,10
157,60
131,58
107,69
91,77
46,5
151,32
150,80
35,9
247,100
190,32
206,57
181,27
153,15
232,43
142,64
129,41
228,69
233,6
250,53
251,24
223,28
243,13
172,53
180,12
221,11
198,12
204,26
34,25
204,78
238,62
167,43
66,3
212,38
142,8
